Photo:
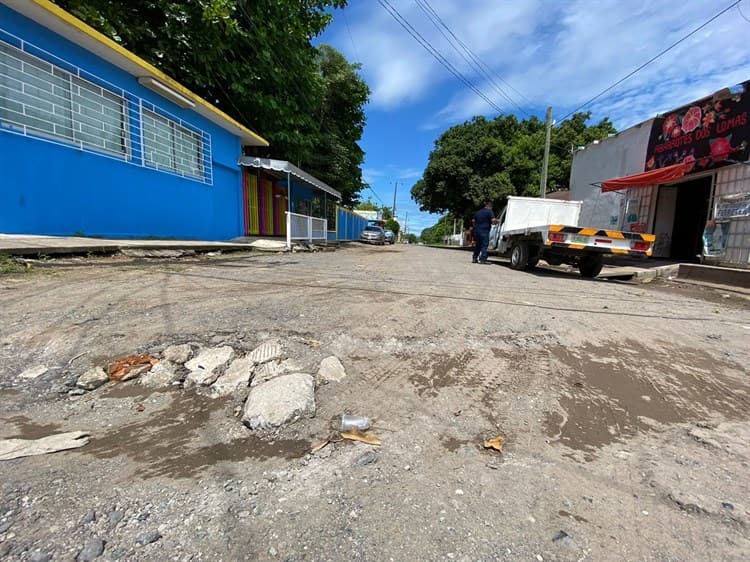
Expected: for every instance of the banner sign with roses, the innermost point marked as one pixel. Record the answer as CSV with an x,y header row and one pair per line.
x,y
704,135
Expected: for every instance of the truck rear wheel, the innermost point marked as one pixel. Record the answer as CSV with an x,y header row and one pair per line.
x,y
590,266
519,255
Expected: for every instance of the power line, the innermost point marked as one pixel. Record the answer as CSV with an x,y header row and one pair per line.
x,y
376,195
435,53
351,38
744,17
468,55
645,64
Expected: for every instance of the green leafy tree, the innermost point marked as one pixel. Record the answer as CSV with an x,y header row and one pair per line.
x,y
368,205
391,224
255,60
436,234
488,160
337,158
411,238
386,213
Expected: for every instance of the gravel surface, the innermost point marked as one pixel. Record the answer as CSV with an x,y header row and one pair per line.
x,y
624,410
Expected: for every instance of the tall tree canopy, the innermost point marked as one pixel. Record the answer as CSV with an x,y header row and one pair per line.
x,y
255,60
488,160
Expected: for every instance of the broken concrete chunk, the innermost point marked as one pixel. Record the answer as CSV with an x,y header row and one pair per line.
x,y
265,352
205,368
34,372
331,370
178,353
237,376
93,378
17,448
164,373
273,369
279,401
135,372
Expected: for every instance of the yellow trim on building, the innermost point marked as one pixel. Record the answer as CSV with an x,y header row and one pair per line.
x,y
102,39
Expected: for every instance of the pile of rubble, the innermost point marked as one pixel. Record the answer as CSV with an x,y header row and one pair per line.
x,y
277,391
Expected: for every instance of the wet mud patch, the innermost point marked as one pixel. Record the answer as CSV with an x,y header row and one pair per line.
x,y
185,438
453,444
28,429
441,370
613,391
128,389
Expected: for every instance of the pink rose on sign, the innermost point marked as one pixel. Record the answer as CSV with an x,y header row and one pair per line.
x,y
688,162
720,148
692,119
669,124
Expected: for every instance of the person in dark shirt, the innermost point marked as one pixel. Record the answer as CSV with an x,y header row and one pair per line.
x,y
482,223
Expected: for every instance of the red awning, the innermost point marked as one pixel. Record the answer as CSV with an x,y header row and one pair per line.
x,y
662,175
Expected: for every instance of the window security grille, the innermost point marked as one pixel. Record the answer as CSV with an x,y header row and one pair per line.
x,y
168,145
39,97
63,104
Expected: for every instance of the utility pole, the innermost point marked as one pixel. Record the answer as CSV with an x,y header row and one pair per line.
x,y
395,189
545,161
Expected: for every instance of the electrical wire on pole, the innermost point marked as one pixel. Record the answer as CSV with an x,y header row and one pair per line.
x,y
545,159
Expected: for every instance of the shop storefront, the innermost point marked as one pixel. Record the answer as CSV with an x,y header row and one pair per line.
x,y
683,176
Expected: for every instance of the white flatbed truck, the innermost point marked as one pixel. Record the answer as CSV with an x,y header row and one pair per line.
x,y
531,229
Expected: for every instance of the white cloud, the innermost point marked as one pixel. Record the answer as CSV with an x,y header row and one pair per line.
x,y
556,53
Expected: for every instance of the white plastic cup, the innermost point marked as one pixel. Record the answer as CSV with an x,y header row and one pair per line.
x,y
349,422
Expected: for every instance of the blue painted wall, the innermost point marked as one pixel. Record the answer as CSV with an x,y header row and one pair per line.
x,y
46,188
349,225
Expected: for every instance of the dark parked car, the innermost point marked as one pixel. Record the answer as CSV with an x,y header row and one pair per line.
x,y
373,235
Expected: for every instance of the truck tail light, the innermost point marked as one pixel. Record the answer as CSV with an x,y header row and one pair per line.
x,y
638,246
556,237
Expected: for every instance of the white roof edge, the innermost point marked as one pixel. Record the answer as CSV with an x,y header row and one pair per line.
x,y
287,168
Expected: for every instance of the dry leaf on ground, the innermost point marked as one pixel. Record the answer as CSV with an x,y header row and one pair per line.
x,y
357,435
496,443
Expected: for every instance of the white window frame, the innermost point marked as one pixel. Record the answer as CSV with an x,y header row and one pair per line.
x,y
59,104
197,168
164,147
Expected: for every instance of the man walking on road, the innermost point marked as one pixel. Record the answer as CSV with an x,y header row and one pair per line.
x,y
482,223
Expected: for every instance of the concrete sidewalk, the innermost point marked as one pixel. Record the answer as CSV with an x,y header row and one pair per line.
x,y
26,245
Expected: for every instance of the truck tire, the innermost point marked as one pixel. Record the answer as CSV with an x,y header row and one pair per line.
x,y
590,266
519,255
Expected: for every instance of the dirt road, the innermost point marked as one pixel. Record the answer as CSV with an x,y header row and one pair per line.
x,y
625,411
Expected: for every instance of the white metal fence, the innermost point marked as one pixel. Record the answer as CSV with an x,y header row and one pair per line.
x,y
302,227
61,103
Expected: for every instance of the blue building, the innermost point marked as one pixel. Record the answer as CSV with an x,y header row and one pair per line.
x,y
96,141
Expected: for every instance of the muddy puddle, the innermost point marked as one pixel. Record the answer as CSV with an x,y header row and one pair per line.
x,y
184,438
25,428
614,391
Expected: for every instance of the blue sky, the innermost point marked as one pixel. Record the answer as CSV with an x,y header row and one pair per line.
x,y
551,52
